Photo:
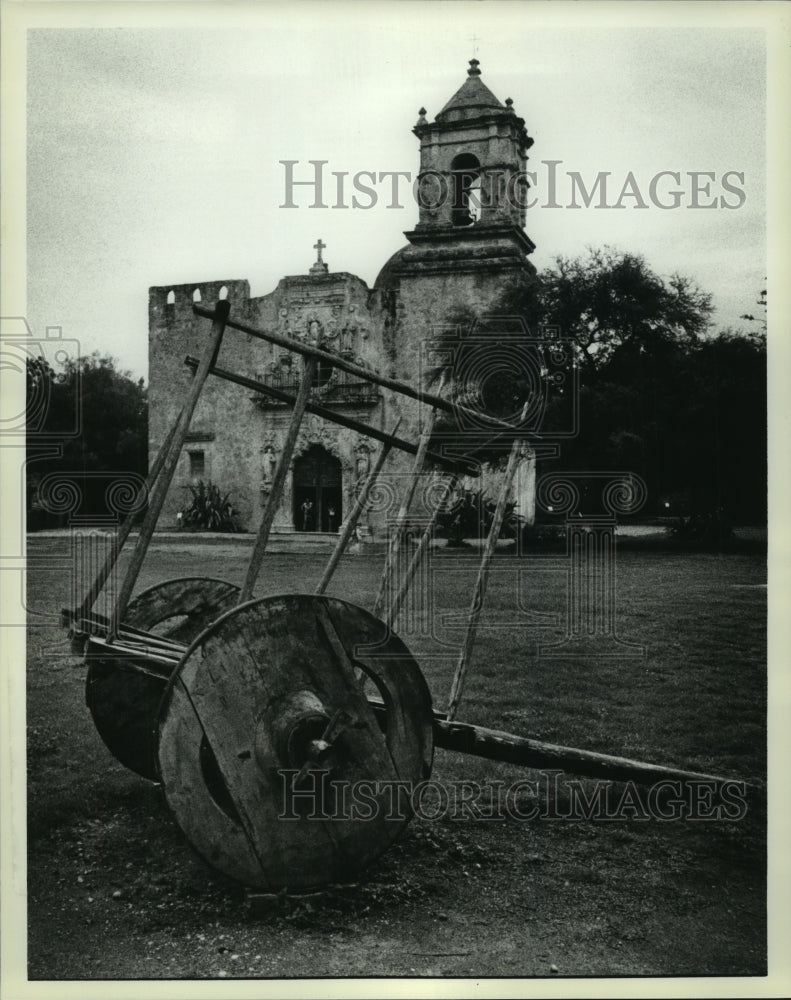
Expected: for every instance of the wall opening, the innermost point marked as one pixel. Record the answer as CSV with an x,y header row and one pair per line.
x,y
466,183
196,296
317,491
224,292
171,299
197,464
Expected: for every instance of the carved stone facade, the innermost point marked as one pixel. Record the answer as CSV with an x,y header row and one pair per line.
x,y
455,264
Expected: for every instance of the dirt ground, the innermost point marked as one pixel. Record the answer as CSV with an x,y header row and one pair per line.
x,y
116,892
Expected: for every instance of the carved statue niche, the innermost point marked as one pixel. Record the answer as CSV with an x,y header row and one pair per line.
x,y
363,463
268,466
348,342
314,333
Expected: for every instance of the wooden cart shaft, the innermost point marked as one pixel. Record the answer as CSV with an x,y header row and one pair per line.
x,y
154,656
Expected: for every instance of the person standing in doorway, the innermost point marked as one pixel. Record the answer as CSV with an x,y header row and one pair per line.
x,y
307,514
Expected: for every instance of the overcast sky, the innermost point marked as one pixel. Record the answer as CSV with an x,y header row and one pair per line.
x,y
153,153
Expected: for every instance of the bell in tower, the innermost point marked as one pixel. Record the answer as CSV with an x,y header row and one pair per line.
x,y
472,188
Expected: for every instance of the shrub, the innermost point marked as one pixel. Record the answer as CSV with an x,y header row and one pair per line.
x,y
471,516
209,509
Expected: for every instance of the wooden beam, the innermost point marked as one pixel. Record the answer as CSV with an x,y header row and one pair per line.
x,y
364,373
123,532
494,744
466,466
398,531
395,604
476,605
351,521
164,479
278,482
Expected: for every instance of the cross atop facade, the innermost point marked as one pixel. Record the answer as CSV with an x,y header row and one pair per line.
x,y
475,45
319,267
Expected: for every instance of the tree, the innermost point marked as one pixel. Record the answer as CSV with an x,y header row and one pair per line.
x,y
107,407
622,320
611,301
659,395
492,364
726,453
114,416
761,302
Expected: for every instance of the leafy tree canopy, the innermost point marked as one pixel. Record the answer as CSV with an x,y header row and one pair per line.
x,y
97,413
609,301
105,404
659,393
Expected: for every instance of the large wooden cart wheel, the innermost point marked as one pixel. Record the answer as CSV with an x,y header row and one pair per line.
x,y
271,758
123,693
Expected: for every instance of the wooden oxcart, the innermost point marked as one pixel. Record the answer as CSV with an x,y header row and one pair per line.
x,y
239,706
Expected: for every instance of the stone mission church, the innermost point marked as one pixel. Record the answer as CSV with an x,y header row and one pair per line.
x,y
467,254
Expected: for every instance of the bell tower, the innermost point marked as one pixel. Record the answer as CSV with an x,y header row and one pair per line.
x,y
472,189
467,260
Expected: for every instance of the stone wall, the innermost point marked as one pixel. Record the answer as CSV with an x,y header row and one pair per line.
x,y
238,436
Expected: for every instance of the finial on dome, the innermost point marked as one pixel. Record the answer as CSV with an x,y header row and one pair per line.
x,y
422,117
473,70
509,104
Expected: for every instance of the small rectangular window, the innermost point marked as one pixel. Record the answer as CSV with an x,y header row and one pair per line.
x,y
197,464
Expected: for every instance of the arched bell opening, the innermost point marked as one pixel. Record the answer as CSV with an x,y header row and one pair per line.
x,y
466,188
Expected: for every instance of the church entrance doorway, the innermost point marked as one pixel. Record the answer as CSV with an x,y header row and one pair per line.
x,y
317,491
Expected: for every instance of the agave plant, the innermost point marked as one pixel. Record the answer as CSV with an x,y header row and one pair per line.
x,y
209,510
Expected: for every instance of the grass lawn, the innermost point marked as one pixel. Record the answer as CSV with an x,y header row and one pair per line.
x,y
452,897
